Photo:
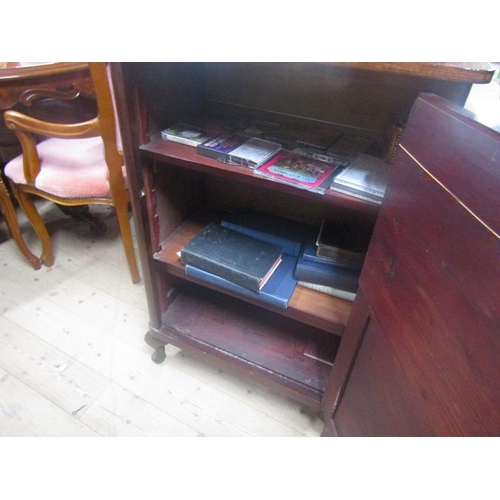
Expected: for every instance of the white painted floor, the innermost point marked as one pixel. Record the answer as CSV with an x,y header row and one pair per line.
x,y
73,361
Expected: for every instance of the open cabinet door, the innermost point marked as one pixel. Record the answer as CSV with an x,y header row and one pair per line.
x,y
420,355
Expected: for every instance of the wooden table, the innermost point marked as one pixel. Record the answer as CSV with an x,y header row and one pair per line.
x,y
22,85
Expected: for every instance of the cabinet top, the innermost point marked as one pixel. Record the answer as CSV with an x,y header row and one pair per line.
x,y
471,72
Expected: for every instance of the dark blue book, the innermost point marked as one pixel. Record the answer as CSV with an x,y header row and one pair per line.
x,y
277,291
220,146
285,233
327,274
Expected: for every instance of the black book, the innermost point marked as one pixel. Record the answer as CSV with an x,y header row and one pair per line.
x,y
232,255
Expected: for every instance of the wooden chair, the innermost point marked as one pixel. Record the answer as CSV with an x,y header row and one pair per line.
x,y
78,164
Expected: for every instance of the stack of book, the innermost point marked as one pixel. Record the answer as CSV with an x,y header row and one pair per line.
x,y
365,178
237,261
333,264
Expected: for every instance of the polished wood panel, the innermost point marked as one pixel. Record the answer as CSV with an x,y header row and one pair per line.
x,y
428,362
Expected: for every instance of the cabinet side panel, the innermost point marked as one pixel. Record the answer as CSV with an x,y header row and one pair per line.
x,y
428,364
381,398
460,153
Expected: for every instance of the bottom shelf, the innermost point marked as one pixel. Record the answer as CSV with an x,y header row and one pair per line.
x,y
261,344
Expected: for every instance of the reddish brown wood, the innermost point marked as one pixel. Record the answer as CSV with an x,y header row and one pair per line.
x,y
180,183
428,364
348,349
250,339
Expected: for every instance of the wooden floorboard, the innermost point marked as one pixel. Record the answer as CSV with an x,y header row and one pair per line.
x,y
73,361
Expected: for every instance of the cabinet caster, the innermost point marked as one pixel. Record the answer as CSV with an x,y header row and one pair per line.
x,y
159,355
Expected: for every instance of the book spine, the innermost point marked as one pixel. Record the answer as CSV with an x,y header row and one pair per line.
x,y
288,246
233,287
359,187
211,153
336,280
218,269
329,290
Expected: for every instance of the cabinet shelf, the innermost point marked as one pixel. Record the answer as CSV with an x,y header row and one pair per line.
x,y
307,306
266,346
181,155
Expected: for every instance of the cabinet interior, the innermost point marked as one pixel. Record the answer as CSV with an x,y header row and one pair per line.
x,y
185,191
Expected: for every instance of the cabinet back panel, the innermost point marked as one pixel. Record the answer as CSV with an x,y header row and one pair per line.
x,y
172,92
346,97
225,195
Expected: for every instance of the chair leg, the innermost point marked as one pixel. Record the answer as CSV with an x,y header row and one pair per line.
x,y
126,233
9,214
28,207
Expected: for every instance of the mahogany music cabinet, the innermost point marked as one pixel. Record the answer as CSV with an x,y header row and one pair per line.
x,y
416,353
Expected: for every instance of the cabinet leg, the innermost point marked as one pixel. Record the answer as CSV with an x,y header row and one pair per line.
x,y
158,355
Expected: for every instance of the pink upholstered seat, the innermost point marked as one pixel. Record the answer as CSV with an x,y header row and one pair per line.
x,y
69,168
